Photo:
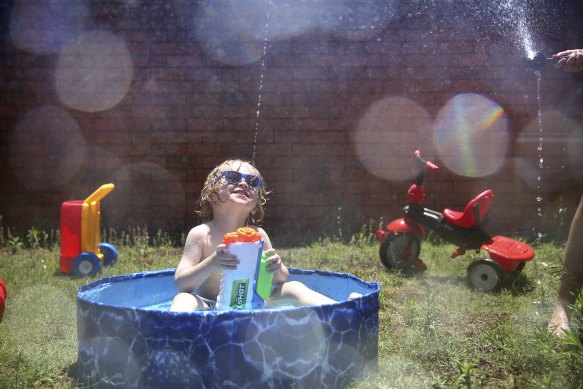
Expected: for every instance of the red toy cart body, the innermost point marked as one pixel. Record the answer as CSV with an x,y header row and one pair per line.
x,y
81,250
3,294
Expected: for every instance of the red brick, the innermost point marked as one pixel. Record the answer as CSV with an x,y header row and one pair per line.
x,y
186,112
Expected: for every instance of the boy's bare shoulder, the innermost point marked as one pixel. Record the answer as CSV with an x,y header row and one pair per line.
x,y
199,232
265,237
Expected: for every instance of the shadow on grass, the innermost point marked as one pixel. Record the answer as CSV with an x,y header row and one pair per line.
x,y
520,284
59,273
517,284
408,272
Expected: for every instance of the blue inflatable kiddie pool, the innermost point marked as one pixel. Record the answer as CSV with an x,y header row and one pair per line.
x,y
128,338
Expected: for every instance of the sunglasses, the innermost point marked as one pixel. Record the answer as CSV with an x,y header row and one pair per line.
x,y
234,177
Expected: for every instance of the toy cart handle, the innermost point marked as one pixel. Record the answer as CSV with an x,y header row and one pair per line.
x,y
100,193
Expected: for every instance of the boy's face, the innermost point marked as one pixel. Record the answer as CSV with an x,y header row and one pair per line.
x,y
235,188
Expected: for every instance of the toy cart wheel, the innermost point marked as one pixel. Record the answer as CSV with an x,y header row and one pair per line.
x,y
485,275
109,252
399,250
86,264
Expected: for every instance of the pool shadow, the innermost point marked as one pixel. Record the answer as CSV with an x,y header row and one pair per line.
x,y
73,372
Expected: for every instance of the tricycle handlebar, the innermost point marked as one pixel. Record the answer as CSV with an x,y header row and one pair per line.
x,y
423,163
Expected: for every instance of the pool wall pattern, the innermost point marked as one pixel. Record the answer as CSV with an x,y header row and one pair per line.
x,y
306,347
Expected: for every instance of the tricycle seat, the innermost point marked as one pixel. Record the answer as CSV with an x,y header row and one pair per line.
x,y
474,213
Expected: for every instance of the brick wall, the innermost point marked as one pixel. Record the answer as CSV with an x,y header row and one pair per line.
x,y
151,97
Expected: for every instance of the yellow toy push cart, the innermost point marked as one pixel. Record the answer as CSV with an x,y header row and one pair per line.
x,y
82,253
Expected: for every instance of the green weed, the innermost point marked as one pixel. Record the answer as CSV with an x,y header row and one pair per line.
x,y
14,244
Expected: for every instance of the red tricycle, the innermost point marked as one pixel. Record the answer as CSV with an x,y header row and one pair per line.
x,y
401,243
82,253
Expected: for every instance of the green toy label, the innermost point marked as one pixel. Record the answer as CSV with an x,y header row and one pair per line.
x,y
239,293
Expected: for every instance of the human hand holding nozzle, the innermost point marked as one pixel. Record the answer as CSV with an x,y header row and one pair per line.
x,y
569,61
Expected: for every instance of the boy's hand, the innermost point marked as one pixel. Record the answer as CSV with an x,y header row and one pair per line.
x,y
274,261
225,260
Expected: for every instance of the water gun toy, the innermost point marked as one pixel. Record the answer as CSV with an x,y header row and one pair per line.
x,y
82,253
250,283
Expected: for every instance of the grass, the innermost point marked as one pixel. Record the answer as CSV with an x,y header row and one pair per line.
x,y
433,330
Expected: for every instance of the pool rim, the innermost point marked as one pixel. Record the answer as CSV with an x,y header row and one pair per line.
x,y
374,287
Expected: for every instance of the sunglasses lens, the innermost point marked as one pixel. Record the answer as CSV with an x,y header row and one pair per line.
x,y
253,181
233,177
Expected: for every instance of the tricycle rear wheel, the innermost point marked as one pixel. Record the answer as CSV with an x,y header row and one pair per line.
x,y
485,275
399,250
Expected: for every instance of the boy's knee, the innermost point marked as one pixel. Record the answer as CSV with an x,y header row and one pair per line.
x,y
183,297
295,285
184,302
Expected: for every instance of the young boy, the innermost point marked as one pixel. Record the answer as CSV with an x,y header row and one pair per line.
x,y
232,197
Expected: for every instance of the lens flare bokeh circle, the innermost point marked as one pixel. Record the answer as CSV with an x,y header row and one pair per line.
x,y
94,72
388,133
45,27
217,29
470,135
552,146
47,148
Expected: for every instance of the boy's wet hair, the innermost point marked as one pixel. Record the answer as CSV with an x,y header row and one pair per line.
x,y
205,209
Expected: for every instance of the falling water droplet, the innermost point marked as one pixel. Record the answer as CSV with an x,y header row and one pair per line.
x,y
265,42
539,197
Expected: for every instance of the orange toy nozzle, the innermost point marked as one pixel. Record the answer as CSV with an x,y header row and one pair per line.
x,y
230,237
243,234
248,234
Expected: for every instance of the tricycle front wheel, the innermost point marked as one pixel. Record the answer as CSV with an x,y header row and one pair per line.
x,y
399,250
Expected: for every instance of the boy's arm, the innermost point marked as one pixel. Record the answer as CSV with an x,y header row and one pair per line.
x,y
192,270
281,273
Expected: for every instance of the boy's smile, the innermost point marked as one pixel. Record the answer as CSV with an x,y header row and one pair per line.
x,y
243,191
